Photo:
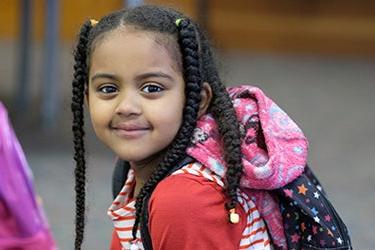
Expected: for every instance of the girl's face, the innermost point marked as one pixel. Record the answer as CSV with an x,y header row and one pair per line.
x,y
135,94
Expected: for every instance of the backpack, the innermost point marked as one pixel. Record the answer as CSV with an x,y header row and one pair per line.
x,y
303,229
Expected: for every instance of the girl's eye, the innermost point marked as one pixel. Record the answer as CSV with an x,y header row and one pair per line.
x,y
108,89
152,89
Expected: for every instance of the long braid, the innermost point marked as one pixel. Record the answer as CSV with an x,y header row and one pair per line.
x,y
193,85
223,111
78,84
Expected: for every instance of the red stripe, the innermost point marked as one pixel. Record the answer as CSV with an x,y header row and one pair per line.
x,y
125,218
202,168
267,242
129,184
247,199
253,222
251,210
256,242
200,173
114,214
190,165
130,209
251,244
262,229
216,180
185,171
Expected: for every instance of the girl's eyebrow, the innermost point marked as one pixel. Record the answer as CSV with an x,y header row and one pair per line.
x,y
104,75
137,78
153,74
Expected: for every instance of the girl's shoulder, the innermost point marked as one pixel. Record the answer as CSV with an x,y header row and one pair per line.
x,y
187,188
190,189
183,204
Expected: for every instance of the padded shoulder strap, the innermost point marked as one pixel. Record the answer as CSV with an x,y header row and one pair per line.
x,y
119,176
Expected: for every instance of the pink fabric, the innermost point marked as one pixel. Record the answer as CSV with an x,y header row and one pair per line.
x,y
273,146
22,221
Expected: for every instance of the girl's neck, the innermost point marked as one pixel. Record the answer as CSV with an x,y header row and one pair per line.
x,y
143,170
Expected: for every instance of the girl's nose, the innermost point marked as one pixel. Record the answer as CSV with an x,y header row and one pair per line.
x,y
128,105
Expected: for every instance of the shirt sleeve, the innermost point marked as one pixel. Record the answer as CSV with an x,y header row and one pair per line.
x,y
187,212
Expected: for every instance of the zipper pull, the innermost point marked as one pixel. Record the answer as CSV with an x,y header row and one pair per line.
x,y
234,217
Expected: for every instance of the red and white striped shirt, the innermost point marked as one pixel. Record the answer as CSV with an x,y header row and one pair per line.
x,y
187,212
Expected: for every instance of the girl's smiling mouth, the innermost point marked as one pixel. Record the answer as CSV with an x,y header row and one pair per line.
x,y
130,130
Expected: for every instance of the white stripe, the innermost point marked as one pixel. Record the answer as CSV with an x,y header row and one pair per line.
x,y
195,170
124,223
124,234
121,213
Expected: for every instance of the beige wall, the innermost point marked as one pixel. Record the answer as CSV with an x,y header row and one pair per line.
x,y
320,27
73,14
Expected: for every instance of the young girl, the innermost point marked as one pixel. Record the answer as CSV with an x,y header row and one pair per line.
x,y
206,167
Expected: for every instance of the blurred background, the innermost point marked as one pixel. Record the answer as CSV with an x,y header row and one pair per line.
x,y
316,59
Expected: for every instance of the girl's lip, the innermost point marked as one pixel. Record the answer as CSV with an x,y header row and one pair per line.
x,y
130,133
130,126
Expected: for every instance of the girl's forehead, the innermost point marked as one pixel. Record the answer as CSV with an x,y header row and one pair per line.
x,y
126,36
134,42
130,53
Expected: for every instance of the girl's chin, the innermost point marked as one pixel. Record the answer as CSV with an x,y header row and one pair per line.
x,y
131,156
139,162
133,160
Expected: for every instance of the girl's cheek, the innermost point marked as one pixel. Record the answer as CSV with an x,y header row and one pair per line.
x,y
99,115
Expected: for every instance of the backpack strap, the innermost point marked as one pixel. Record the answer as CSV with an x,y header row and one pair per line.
x,y
119,176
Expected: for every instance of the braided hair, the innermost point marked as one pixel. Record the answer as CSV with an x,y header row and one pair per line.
x,y
196,60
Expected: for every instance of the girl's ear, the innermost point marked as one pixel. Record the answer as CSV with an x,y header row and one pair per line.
x,y
206,95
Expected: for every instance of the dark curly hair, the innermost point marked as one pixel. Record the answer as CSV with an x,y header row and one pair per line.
x,y
197,64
